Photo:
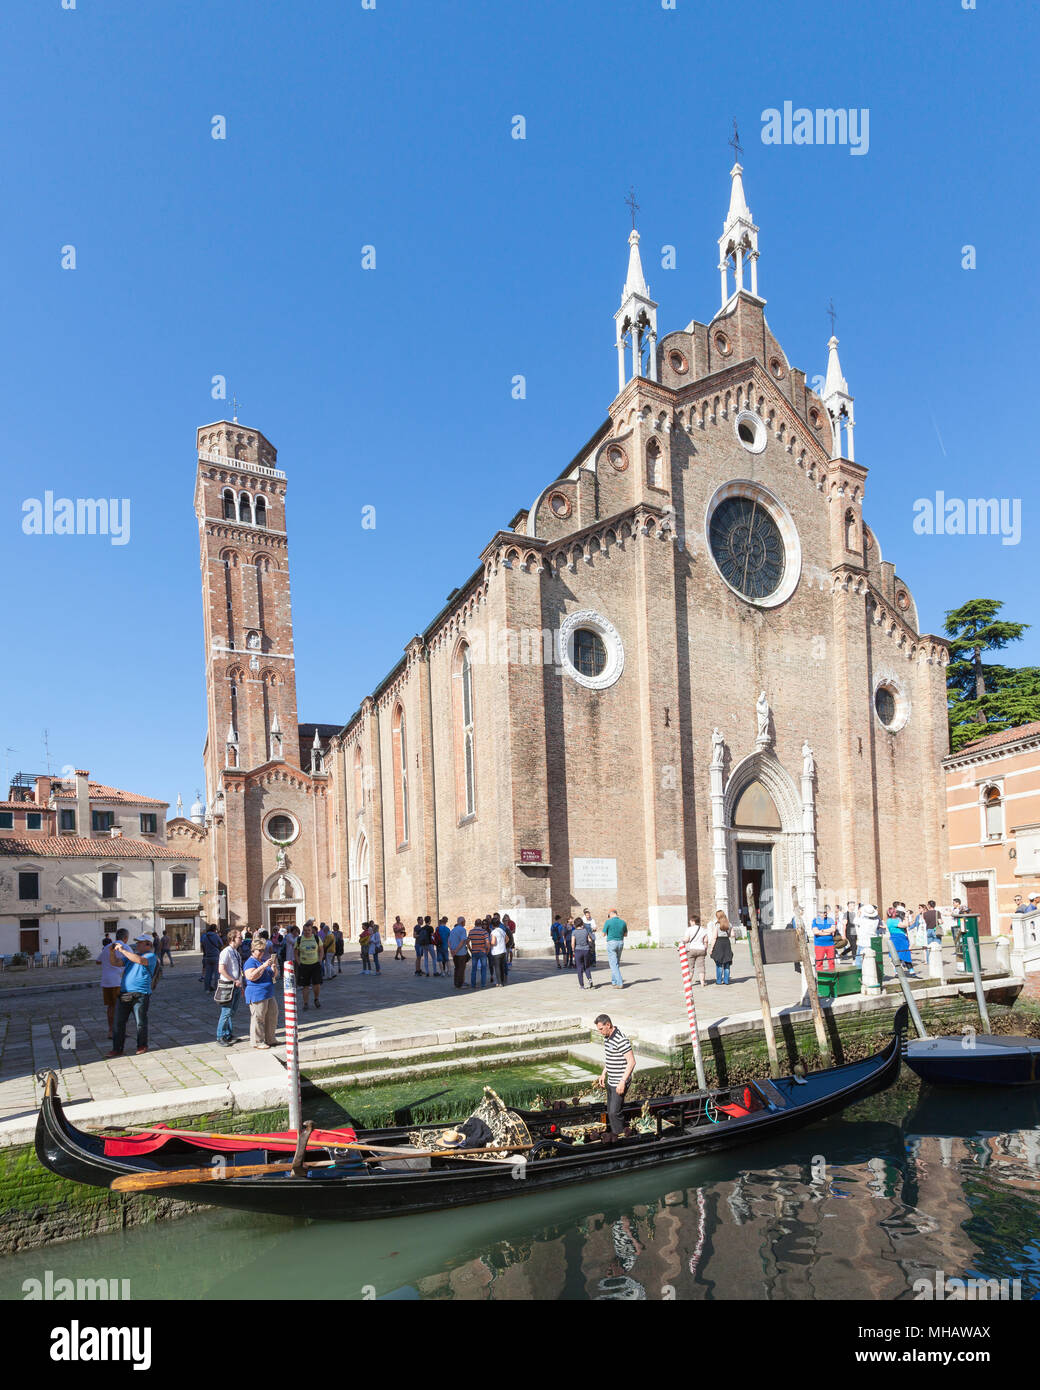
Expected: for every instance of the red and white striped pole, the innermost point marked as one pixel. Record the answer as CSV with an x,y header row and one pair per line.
x,y
691,1013
292,1052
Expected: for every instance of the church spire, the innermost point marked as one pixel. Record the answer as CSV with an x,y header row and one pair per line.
x,y
636,320
739,240
839,404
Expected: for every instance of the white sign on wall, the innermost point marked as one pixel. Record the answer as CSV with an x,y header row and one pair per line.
x,y
593,876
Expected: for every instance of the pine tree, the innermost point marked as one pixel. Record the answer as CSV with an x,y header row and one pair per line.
x,y
983,697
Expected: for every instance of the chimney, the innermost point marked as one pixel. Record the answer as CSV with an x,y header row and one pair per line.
x,y
43,791
82,803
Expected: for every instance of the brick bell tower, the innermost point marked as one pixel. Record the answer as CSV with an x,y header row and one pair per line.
x,y
247,613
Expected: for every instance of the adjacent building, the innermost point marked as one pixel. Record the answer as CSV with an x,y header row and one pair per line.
x,y
79,859
993,809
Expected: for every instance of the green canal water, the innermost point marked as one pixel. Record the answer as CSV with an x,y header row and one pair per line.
x,y
865,1206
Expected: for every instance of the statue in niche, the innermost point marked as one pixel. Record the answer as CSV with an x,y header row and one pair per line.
x,y
253,639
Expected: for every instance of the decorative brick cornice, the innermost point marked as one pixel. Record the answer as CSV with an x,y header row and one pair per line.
x,y
884,615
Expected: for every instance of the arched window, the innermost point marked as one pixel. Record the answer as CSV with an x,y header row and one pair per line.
x,y
229,601
245,511
993,808
261,570
850,530
465,753
261,511
400,756
359,786
654,465
229,505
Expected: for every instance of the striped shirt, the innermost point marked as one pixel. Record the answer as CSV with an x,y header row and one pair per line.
x,y
616,1050
478,941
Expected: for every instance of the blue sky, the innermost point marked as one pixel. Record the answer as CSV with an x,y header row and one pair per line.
x,y
495,257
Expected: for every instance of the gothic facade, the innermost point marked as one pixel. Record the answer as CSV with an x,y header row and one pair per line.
x,y
686,668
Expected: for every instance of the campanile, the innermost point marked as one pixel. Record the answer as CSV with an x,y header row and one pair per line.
x,y
247,612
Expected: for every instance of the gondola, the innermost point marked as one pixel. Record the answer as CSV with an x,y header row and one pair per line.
x,y
680,1127
976,1059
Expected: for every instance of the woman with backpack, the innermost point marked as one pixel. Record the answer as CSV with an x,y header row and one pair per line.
x,y
722,947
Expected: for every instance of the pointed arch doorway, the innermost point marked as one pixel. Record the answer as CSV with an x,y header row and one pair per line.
x,y
284,901
765,840
359,887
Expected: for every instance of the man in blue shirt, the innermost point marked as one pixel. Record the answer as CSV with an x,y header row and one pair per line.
x,y
138,979
457,945
211,949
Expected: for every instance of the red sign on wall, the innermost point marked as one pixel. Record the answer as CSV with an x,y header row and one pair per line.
x,y
530,856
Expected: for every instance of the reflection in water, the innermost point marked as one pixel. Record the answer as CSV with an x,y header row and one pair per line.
x,y
905,1184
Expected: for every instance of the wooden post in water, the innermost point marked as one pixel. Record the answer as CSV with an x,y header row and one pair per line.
x,y
980,993
292,1053
755,942
809,971
691,1014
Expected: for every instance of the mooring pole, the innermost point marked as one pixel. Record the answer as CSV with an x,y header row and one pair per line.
x,y
691,1014
904,985
809,971
292,1052
980,993
755,943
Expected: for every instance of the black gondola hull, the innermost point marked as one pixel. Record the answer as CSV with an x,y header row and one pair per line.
x,y
366,1195
975,1060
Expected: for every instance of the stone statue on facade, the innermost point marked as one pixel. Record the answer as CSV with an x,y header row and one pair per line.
x,y
718,748
762,711
808,761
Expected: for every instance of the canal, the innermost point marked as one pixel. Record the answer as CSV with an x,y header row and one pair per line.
x,y
870,1205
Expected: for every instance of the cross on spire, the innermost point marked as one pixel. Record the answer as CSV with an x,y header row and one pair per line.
x,y
235,403
631,203
738,148
831,315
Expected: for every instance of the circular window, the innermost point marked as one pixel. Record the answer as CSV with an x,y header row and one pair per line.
x,y
815,419
281,828
777,368
678,363
750,431
617,458
891,706
559,505
753,541
723,344
903,600
591,649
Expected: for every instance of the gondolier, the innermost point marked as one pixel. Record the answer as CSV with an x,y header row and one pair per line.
x,y
618,1065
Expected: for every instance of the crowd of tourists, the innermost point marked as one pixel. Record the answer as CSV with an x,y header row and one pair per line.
x,y
850,931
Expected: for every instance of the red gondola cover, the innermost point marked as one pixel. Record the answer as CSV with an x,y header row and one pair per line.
x,y
232,1143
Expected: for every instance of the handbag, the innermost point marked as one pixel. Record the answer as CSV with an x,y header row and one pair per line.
x,y
224,992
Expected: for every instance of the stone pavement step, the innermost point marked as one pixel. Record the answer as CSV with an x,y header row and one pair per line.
x,y
453,1066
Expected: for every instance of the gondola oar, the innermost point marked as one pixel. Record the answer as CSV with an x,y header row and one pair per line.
x,y
219,1172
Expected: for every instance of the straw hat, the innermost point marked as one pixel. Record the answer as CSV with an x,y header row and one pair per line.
x,y
451,1138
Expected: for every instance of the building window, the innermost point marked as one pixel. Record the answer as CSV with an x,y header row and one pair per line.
x,y
28,885
400,756
6,820
359,783
148,823
465,757
180,885
229,506
110,884
654,465
281,828
102,820
33,820
993,807
590,655
245,512
67,822
885,704
261,512
111,926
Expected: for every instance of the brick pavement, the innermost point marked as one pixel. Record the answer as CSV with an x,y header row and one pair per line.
x,y
66,1029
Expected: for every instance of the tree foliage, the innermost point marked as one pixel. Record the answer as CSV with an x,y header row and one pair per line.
x,y
985,697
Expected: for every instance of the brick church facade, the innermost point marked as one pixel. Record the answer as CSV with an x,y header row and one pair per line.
x,y
685,668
